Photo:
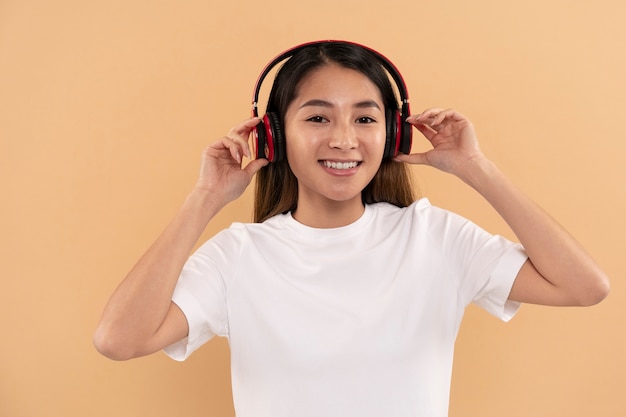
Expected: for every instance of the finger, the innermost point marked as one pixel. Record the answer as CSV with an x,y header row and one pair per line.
x,y
254,166
414,158
234,147
439,118
245,127
426,115
241,133
450,120
450,115
424,129
434,116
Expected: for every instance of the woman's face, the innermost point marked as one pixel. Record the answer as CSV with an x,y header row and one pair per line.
x,y
335,135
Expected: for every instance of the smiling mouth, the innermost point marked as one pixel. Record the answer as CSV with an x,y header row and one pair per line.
x,y
340,165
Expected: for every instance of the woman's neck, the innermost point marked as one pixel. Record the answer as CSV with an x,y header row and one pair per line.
x,y
328,214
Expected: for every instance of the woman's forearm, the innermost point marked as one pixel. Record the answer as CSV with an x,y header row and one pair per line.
x,y
140,305
574,277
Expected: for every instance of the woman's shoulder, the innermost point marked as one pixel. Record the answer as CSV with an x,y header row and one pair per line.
x,y
420,213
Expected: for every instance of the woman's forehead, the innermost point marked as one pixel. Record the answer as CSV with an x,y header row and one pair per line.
x,y
334,79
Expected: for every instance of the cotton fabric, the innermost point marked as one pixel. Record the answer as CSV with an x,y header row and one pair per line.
x,y
356,321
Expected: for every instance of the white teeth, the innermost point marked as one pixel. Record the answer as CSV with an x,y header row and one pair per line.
x,y
340,165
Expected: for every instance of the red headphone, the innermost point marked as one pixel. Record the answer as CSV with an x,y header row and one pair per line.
x,y
269,140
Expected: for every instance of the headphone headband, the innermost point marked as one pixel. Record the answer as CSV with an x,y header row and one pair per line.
x,y
386,63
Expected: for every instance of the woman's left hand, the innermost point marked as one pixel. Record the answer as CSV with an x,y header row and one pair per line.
x,y
559,271
453,139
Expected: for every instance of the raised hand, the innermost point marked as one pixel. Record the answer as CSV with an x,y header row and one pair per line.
x,y
221,172
559,271
140,318
453,139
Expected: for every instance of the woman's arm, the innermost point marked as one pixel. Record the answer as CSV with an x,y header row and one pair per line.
x,y
559,271
140,317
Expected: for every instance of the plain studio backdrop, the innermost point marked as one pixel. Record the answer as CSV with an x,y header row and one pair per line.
x,y
105,107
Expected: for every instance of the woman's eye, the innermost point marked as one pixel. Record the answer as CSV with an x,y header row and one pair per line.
x,y
316,119
365,119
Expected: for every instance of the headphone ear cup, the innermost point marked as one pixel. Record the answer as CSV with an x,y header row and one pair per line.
x,y
399,134
268,138
276,137
405,134
391,140
260,140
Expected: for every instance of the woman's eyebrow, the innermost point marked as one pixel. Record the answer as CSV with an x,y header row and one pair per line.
x,y
366,104
316,102
323,103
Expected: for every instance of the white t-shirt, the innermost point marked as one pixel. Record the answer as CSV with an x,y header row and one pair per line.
x,y
356,321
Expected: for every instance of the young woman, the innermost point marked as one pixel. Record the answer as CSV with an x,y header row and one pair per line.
x,y
345,296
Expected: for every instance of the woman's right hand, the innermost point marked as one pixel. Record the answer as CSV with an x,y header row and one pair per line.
x,y
221,172
140,317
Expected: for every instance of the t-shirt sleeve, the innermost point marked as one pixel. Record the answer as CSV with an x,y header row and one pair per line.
x,y
201,293
493,296
486,264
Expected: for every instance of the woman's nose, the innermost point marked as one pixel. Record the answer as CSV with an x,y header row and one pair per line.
x,y
343,136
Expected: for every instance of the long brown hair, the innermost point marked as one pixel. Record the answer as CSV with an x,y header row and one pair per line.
x,y
276,189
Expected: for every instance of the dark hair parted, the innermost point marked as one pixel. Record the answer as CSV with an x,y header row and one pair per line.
x,y
276,186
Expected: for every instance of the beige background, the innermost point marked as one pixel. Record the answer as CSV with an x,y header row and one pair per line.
x,y
105,107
